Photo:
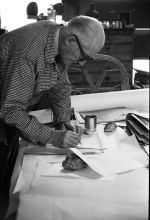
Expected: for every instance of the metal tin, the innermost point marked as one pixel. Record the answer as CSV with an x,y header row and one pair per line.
x,y
113,24
117,24
120,24
90,123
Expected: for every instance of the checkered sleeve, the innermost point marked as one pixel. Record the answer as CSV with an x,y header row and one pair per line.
x,y
59,97
18,87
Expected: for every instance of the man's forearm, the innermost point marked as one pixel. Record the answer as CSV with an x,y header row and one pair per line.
x,y
28,126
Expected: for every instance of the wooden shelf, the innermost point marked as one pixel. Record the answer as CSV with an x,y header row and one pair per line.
x,y
119,44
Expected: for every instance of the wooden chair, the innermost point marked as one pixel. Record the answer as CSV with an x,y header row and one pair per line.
x,y
101,74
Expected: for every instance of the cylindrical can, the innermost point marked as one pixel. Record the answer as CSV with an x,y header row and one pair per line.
x,y
120,25
117,24
90,123
113,24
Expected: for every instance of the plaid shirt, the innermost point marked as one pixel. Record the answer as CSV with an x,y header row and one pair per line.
x,y
28,70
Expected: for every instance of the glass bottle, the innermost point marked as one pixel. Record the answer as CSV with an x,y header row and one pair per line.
x,y
51,14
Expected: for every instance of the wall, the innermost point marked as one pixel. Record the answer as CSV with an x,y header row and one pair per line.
x,y
13,12
70,9
140,16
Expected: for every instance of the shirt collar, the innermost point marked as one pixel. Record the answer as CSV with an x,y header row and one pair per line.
x,y
56,41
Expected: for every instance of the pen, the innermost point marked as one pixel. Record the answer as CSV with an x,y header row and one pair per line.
x,y
100,149
82,116
69,127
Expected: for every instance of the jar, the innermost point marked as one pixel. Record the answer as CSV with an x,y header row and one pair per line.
x,y
117,24
90,123
113,24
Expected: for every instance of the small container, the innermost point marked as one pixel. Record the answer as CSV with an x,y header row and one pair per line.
x,y
120,24
90,123
51,14
117,24
107,24
113,24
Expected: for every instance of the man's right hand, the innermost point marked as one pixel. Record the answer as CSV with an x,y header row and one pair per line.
x,y
64,139
71,139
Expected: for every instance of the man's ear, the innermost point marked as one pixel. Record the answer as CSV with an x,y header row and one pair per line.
x,y
70,40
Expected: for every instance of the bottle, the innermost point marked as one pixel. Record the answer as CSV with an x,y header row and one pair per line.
x,y
113,24
92,12
51,14
107,24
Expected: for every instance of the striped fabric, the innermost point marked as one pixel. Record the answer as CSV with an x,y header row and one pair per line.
x,y
27,71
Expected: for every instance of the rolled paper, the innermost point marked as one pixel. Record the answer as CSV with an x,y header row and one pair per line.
x,y
133,99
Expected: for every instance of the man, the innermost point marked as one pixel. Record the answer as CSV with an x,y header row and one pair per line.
x,y
33,63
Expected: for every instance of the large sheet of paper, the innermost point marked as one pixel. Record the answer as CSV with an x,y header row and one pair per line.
x,y
132,99
81,201
107,163
43,116
51,168
122,153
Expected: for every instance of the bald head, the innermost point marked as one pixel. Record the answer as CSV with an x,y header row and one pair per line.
x,y
90,33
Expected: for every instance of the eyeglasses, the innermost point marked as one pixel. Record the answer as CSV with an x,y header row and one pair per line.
x,y
84,56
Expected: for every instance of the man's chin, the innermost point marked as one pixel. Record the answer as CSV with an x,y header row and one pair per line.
x,y
67,62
